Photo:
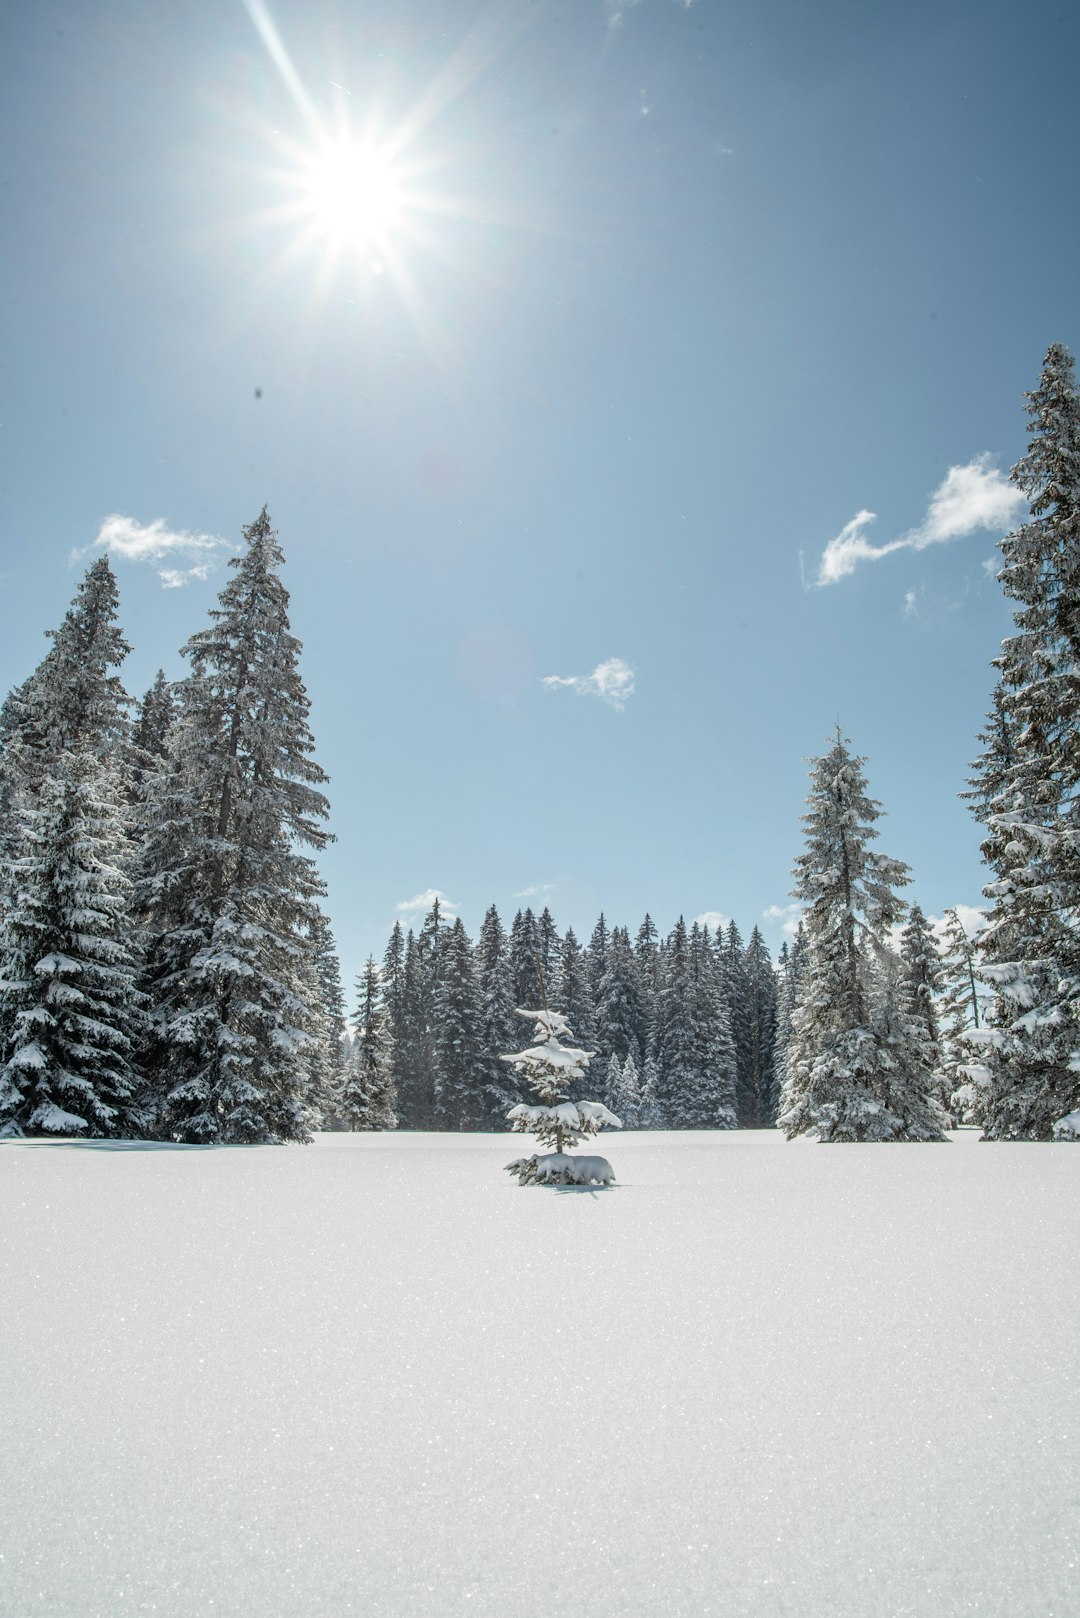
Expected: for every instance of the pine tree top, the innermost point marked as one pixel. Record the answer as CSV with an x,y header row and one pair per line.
x,y
548,1024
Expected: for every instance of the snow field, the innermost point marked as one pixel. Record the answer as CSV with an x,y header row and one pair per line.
x,y
375,1376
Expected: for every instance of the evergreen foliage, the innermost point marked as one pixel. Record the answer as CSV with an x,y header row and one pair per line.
x,y
229,900
624,1094
759,1030
416,1077
394,1000
596,952
855,1064
676,1036
496,1028
922,972
154,719
612,1081
618,1009
1027,788
731,963
366,1097
74,703
789,976
921,983
524,950
709,1100
69,1010
460,1092
573,988
549,947
647,964
70,1013
961,1018
328,1049
650,1109
548,1066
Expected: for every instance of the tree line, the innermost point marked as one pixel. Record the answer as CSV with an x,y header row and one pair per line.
x,y
682,1028
167,967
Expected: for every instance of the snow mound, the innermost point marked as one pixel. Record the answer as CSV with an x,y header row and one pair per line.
x,y
561,1168
1068,1128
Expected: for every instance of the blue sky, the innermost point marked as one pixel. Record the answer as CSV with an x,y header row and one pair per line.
x,y
662,299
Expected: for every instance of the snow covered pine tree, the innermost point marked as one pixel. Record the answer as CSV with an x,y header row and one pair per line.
x,y
549,1067
69,1011
1027,793
856,1067
70,1015
229,900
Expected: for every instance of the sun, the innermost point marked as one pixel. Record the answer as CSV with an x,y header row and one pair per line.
x,y
353,194
370,200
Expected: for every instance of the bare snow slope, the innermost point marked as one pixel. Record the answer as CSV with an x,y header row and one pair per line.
x,y
375,1376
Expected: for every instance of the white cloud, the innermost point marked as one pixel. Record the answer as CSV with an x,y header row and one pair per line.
x,y
534,890
911,604
174,578
789,915
612,682
154,542
712,918
842,555
971,497
424,901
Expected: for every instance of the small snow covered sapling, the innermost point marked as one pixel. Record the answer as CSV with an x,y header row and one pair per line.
x,y
550,1067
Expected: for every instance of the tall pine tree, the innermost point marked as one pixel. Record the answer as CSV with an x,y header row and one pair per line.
x,y
1027,787
229,897
68,1009
855,1070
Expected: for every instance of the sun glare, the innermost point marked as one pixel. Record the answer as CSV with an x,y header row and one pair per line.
x,y
362,191
353,195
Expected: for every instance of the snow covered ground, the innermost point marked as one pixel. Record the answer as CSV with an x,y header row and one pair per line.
x,y
375,1376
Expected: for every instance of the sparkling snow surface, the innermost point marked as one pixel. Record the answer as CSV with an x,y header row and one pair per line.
x,y
376,1376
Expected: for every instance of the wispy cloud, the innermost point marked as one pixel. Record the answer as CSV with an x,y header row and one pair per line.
x,y
534,891
174,578
970,497
712,918
155,542
612,682
615,11
789,915
910,608
422,903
